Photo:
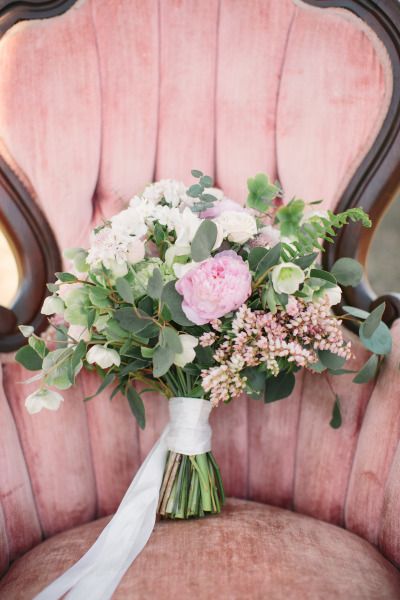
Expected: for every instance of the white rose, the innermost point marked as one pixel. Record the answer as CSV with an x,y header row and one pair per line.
x,y
53,305
136,250
188,354
287,278
104,357
334,295
238,227
43,399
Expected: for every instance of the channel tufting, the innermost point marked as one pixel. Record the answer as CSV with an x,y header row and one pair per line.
x,y
113,94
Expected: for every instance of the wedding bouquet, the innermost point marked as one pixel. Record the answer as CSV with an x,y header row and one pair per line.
x,y
191,295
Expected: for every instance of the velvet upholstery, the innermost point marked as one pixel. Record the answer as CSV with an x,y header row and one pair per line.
x,y
249,552
113,94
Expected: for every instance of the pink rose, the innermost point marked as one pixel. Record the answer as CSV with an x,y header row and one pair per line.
x,y
215,287
220,207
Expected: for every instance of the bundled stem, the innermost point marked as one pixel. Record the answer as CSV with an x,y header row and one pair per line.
x,y
191,487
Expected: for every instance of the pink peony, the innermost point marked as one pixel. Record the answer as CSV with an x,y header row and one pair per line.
x,y
215,287
220,207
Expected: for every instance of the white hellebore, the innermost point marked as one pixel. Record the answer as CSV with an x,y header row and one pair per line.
x,y
104,357
238,227
287,278
43,399
53,305
334,295
189,343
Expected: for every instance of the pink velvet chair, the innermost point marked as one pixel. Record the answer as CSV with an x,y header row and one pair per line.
x,y
94,103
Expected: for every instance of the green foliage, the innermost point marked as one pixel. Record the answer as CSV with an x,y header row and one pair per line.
x,y
380,342
136,405
330,360
174,302
163,359
155,285
169,338
66,277
29,359
261,192
124,290
108,379
347,271
204,200
289,218
373,320
269,260
204,241
336,420
279,387
368,371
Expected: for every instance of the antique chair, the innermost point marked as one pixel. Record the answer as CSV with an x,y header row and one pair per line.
x,y
99,97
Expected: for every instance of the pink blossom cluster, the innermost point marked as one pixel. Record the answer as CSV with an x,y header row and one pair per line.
x,y
256,337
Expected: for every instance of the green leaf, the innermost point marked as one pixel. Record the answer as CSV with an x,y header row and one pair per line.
x,y
261,192
380,342
289,217
169,338
347,271
206,181
196,173
195,190
336,419
38,345
163,359
52,287
356,312
204,240
368,371
28,358
306,261
133,366
137,407
173,300
132,320
325,275
330,360
269,260
255,255
155,285
372,322
56,368
270,298
114,331
317,367
255,385
204,357
98,296
279,387
108,379
66,277
124,290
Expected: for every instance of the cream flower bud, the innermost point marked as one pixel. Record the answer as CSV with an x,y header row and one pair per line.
x,y
188,354
104,357
53,305
43,399
238,227
334,295
287,278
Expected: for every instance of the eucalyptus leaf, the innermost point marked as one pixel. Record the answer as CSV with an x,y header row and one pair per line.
x,y
279,387
56,368
269,260
28,358
204,240
169,338
66,277
330,360
132,320
206,181
124,290
163,359
336,419
372,322
137,407
356,312
347,271
173,300
155,285
380,342
196,173
368,371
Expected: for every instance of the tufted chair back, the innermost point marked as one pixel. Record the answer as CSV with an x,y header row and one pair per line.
x,y
108,96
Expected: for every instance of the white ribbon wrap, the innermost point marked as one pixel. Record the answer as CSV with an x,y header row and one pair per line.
x,y
96,575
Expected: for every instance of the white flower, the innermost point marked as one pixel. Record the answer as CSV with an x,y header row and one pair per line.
x,y
53,305
188,354
129,222
78,333
136,251
43,399
104,357
287,277
238,227
173,192
334,295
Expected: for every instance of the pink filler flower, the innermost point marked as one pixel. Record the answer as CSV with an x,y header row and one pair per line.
x,y
215,287
220,207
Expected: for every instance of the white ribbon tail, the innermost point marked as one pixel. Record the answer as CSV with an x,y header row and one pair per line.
x,y
97,574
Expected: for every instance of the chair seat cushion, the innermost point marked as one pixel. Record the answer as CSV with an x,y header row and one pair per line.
x,y
250,551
